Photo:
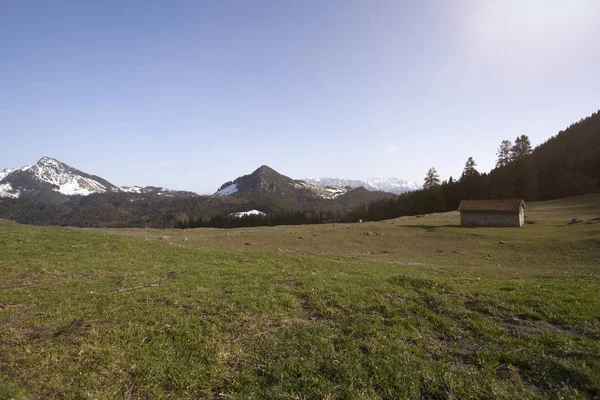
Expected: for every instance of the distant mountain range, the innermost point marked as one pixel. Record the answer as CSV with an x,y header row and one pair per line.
x,y
52,181
50,192
390,185
81,199
272,189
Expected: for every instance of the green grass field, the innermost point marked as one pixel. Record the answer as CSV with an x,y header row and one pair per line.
x,y
422,308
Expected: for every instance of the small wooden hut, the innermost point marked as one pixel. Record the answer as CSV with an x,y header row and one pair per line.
x,y
501,213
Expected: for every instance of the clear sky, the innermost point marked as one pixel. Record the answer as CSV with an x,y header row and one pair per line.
x,y
190,94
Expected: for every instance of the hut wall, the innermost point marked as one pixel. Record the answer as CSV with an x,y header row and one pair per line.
x,y
490,219
521,217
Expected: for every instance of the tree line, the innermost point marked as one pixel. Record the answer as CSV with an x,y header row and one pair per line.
x,y
567,164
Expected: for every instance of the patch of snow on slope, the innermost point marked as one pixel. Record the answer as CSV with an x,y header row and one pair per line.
x,y
77,185
6,190
326,192
131,189
6,172
228,190
333,192
246,213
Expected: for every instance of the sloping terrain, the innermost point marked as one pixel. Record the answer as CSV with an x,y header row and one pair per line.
x,y
409,308
51,181
277,192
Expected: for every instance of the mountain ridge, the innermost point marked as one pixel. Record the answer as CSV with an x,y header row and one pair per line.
x,y
266,180
51,192
264,190
384,184
53,181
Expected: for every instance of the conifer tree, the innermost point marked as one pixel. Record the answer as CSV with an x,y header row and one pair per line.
x,y
469,171
521,148
431,178
504,154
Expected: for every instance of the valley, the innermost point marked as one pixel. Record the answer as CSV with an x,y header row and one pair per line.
x,y
304,200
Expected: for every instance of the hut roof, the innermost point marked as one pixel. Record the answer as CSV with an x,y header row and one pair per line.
x,y
504,206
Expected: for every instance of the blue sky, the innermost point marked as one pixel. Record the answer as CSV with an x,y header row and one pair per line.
x,y
190,94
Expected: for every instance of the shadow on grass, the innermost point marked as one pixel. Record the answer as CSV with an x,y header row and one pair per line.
x,y
430,227
547,373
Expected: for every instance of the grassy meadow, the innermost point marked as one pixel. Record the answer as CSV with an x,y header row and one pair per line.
x,y
415,307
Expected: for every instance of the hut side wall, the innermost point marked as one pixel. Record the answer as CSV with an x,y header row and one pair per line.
x,y
521,217
491,219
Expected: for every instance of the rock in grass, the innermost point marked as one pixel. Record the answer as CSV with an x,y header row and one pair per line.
x,y
249,244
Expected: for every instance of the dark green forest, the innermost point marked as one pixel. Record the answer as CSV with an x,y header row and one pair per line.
x,y
567,164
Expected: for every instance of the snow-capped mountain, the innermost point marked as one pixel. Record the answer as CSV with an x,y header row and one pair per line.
x,y
48,179
269,191
267,180
391,185
326,192
67,180
52,180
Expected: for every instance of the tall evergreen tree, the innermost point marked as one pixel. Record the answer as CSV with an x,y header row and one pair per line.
x,y
432,178
470,185
504,154
521,148
469,171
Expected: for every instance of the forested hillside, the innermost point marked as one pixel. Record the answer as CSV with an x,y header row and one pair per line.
x,y
148,210
567,164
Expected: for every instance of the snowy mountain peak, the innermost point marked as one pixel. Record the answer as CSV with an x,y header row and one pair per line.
x,y
48,176
49,161
391,185
66,179
51,180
